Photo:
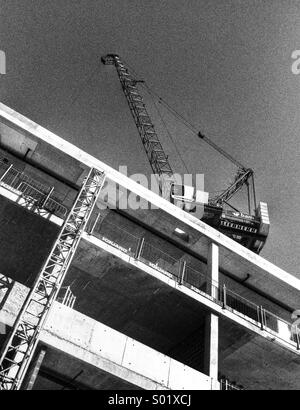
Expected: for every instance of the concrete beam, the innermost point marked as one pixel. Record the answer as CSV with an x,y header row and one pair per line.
x,y
194,293
115,353
108,350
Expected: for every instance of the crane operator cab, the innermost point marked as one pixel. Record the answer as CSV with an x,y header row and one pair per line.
x,y
248,230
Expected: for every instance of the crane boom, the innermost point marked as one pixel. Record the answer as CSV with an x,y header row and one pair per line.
x,y
154,150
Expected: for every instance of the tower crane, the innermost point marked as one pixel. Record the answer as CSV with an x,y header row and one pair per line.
x,y
249,230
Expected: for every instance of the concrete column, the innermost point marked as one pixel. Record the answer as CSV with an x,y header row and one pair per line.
x,y
211,353
213,268
211,347
34,369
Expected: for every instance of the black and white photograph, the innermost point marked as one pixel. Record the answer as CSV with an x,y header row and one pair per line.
x,y
149,198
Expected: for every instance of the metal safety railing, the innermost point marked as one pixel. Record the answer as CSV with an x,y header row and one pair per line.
x,y
159,260
232,300
66,297
21,184
280,327
115,236
199,280
141,249
226,385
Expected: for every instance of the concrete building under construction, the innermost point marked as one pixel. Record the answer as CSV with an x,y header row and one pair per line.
x,y
95,295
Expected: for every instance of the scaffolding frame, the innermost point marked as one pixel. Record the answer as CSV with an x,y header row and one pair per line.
x,y
20,346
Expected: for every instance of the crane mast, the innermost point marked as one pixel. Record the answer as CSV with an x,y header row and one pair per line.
x,y
154,150
19,349
249,230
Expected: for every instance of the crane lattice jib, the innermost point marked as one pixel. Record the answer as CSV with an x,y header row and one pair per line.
x,y
241,179
23,339
155,152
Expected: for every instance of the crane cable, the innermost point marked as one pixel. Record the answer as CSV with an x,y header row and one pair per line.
x,y
188,124
192,128
170,135
153,96
167,130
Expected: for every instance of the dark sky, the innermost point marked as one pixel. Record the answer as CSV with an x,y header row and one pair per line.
x,y
224,65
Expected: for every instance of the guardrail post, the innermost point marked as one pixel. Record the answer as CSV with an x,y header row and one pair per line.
x,y
73,301
297,339
91,230
66,295
45,200
6,172
224,296
139,248
261,317
182,269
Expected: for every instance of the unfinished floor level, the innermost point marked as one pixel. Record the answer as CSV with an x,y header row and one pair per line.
x,y
140,306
